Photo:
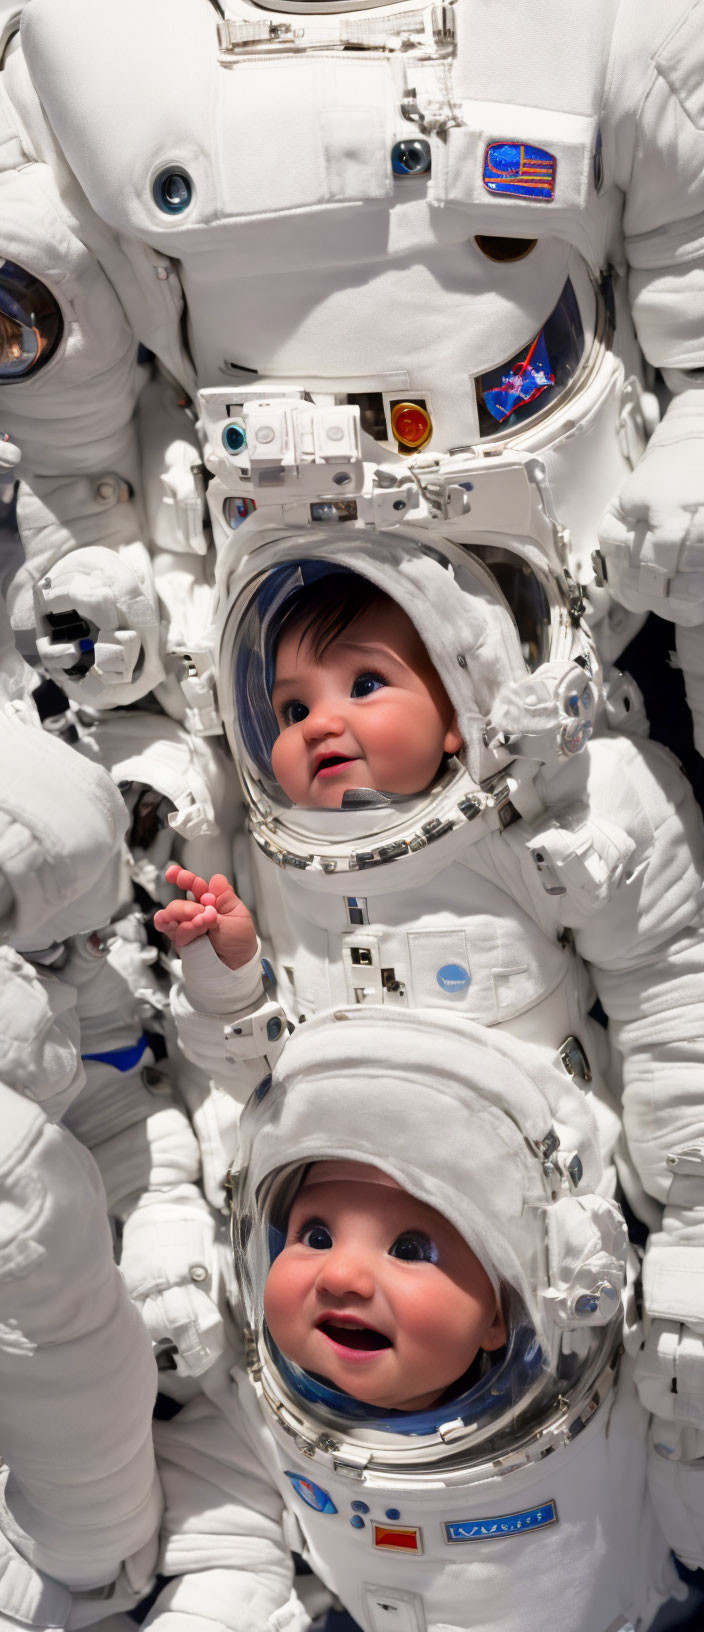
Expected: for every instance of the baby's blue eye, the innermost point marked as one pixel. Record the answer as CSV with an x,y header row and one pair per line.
x,y
292,713
414,1247
365,684
317,1236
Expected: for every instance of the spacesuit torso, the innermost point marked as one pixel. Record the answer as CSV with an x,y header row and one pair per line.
x,y
395,207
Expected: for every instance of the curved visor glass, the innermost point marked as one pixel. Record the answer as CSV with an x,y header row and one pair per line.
x,y
524,592
537,374
30,322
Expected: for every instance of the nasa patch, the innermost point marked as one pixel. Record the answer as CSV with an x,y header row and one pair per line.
x,y
502,1524
313,1495
517,170
453,978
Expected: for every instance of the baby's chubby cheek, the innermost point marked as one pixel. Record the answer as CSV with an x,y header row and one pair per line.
x,y
282,1306
287,766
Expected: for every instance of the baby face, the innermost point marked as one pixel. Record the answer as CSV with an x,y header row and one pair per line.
x,y
371,712
377,1292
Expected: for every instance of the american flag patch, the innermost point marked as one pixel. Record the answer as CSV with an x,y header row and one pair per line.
x,y
516,170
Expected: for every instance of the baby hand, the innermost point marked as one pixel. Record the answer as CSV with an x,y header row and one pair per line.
x,y
215,911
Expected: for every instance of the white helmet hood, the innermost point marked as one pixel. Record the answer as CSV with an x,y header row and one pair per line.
x,y
472,1123
453,597
450,595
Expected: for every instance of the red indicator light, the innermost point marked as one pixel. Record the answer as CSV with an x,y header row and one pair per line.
x,y
403,1538
411,424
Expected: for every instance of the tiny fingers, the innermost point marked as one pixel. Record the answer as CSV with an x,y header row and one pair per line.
x,y
185,880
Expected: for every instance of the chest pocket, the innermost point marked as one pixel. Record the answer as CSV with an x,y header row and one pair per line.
x,y
304,132
532,162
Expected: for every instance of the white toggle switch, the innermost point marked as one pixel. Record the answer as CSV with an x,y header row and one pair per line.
x,y
392,1610
336,433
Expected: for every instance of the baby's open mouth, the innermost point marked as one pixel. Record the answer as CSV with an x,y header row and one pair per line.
x,y
333,762
354,1337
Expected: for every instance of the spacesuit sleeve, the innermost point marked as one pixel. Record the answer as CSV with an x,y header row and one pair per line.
x,y
652,535
77,1377
226,1024
224,1527
87,584
130,1117
644,946
655,98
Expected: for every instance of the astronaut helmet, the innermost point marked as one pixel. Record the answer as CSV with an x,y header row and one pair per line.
x,y
502,1147
518,668
31,324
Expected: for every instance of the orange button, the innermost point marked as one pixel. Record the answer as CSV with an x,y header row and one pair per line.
x,y
411,424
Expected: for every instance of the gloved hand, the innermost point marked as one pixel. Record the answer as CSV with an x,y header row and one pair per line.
x,y
652,535
670,1374
98,626
170,1265
652,538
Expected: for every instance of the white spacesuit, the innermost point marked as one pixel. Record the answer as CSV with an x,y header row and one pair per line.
x,y
65,899
529,1489
438,215
77,1377
80,1495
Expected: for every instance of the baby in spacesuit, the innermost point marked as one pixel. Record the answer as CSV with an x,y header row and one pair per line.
x,y
340,1302
358,705
427,1406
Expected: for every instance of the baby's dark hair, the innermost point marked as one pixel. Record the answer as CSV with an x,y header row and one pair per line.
x,y
323,609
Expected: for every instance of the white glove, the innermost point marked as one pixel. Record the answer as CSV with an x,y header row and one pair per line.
x,y
670,1374
169,1262
98,625
652,535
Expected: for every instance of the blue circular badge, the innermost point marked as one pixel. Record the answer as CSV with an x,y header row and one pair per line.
x,y
453,978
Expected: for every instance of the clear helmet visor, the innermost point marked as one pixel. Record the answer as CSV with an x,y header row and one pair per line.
x,y
501,1394
259,613
31,324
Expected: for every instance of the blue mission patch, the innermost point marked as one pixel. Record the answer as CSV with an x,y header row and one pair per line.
x,y
502,1524
313,1495
516,170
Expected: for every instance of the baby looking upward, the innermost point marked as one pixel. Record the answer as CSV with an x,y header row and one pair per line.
x,y
358,704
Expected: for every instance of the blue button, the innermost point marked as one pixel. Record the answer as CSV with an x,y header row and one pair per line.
x,y
262,1088
453,978
357,1522
392,1513
360,1507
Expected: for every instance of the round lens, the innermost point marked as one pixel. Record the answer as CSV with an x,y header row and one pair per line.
x,y
234,437
173,191
411,158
